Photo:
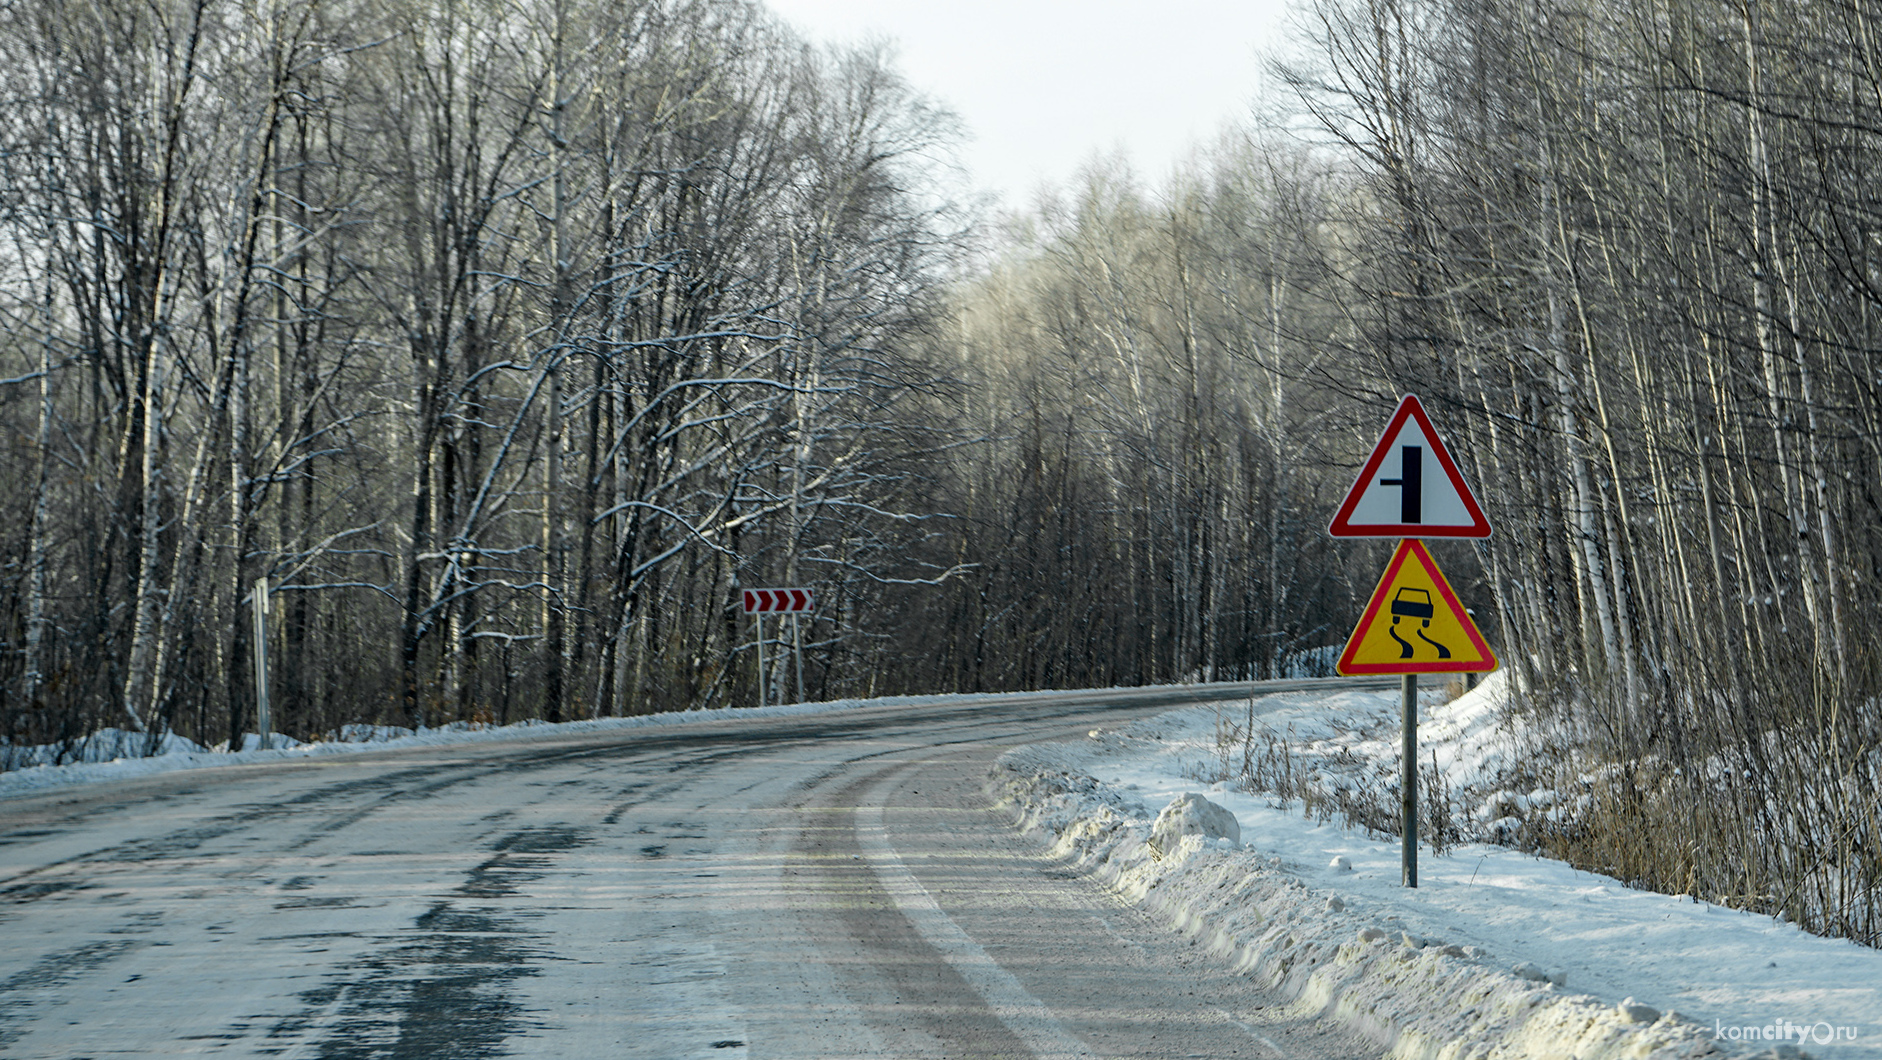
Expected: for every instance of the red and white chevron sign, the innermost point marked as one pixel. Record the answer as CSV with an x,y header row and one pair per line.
x,y
777,601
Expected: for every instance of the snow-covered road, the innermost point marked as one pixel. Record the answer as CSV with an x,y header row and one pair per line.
x,y
821,886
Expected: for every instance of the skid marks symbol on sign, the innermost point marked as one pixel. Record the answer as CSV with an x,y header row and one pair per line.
x,y
1414,603
1414,624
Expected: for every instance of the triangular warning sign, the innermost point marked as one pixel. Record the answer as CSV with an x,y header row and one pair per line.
x,y
1414,624
1410,486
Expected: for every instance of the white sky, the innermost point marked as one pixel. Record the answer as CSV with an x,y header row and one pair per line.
x,y
1044,84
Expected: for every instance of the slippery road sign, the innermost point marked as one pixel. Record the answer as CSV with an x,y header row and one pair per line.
x,y
1414,624
1410,486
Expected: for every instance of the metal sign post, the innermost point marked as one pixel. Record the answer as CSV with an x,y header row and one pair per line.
x,y
794,602
1414,623
797,647
1408,807
758,622
264,723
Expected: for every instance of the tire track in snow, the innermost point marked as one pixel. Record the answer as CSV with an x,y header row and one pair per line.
x,y
1006,998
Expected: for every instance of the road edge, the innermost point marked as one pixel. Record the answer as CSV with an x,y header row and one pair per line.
x,y
1418,997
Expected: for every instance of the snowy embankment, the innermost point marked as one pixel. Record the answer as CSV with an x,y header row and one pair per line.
x,y
1497,953
119,755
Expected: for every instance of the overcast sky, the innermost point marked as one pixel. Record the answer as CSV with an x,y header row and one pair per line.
x,y
1042,85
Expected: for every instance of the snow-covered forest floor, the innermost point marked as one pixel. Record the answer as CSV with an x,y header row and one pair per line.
x,y
1494,946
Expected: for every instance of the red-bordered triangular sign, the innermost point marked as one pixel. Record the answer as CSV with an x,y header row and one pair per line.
x,y
1410,486
1414,624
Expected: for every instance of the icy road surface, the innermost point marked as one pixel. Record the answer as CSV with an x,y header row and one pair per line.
x,y
819,887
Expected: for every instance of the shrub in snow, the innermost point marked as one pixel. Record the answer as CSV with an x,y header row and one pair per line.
x,y
105,745
1191,814
362,733
1506,804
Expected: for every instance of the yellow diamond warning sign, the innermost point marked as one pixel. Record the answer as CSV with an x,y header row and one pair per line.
x,y
1414,624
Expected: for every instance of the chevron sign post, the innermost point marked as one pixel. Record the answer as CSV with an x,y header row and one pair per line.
x,y
778,601
792,602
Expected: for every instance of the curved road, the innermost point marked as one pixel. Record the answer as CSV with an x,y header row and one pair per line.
x,y
818,887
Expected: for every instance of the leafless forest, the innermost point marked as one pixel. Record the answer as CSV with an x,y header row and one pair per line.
x,y
504,342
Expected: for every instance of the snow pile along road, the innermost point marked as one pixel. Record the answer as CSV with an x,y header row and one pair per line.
x,y
1499,955
113,755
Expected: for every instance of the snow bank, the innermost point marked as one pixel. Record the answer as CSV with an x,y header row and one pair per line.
x,y
113,755
105,745
1440,972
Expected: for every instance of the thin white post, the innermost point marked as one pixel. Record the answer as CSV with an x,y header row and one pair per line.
x,y
1408,809
797,636
264,722
758,621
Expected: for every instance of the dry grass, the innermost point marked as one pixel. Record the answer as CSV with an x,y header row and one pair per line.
x,y
1337,787
1779,812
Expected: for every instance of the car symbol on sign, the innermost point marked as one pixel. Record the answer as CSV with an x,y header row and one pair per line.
x,y
1412,603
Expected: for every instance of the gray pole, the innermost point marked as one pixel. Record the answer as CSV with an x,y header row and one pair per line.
x,y
263,722
1408,809
797,636
758,620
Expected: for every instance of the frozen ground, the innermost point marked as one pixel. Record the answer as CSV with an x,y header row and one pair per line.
x,y
825,887
1497,953
1543,956
115,755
